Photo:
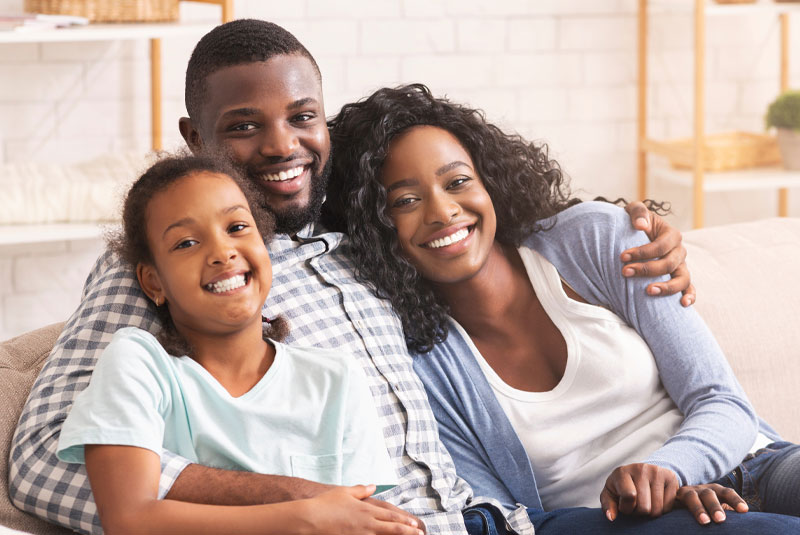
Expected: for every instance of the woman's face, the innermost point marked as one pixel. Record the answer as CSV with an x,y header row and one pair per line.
x,y
211,264
444,217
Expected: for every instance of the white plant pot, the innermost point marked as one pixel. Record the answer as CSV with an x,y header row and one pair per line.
x,y
789,143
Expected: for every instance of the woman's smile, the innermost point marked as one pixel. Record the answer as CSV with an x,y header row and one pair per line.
x,y
444,216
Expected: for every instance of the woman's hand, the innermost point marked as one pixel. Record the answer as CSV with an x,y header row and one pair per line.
x,y
709,501
642,489
351,510
664,255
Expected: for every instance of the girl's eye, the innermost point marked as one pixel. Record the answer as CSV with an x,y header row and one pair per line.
x,y
237,227
185,244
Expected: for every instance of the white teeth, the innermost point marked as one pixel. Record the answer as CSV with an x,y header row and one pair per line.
x,y
448,240
284,175
237,281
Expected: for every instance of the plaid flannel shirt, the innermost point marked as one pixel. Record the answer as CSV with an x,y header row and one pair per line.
x,y
315,290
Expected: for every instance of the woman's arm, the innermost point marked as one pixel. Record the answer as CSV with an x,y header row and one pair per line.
x,y
719,423
124,481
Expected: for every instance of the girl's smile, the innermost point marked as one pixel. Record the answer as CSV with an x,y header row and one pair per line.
x,y
443,215
210,262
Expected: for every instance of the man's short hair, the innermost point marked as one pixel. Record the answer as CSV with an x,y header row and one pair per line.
x,y
234,43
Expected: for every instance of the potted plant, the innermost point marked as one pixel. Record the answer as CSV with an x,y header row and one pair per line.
x,y
784,115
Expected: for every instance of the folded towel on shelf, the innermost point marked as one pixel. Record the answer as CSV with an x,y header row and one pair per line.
x,y
90,191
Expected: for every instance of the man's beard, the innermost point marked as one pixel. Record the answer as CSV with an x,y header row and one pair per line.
x,y
292,219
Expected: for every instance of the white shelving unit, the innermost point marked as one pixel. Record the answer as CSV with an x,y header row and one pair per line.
x,y
154,32
700,181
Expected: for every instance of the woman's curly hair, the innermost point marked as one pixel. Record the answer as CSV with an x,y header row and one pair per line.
x,y
518,175
131,244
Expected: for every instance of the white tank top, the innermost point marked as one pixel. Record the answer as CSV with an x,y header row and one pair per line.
x,y
609,409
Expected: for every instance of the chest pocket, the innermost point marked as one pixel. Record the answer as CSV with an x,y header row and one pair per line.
x,y
320,468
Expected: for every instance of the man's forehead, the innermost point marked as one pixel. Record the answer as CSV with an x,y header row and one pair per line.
x,y
279,82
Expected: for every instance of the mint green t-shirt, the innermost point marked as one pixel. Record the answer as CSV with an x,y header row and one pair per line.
x,y
310,416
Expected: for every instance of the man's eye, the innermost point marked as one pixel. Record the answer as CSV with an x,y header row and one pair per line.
x,y
185,244
243,127
303,117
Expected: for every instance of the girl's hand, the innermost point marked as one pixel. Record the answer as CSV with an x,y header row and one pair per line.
x,y
348,510
642,489
709,501
665,255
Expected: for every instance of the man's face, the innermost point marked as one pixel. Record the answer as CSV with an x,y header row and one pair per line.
x,y
268,118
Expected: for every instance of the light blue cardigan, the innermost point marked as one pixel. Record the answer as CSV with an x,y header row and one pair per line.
x,y
584,245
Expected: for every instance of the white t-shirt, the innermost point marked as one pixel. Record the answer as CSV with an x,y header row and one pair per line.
x,y
311,415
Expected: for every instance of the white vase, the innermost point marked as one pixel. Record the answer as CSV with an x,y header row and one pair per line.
x,y
789,143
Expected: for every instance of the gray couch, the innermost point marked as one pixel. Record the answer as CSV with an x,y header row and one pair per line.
x,y
748,292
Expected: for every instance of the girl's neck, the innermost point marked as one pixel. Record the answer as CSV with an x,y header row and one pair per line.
x,y
238,359
498,291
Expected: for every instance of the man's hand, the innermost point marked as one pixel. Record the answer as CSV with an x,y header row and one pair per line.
x,y
709,501
664,255
642,489
350,510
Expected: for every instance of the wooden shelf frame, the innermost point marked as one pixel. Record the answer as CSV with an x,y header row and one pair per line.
x,y
701,9
21,234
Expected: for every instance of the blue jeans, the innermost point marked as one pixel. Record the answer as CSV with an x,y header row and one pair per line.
x,y
769,479
486,520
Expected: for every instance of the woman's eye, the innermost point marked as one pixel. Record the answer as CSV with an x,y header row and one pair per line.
x,y
405,201
237,227
185,244
459,181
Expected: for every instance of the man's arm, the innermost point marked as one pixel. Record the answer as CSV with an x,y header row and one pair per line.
x,y
201,484
664,255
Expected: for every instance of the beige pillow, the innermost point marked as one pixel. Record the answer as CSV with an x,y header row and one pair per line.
x,y
21,358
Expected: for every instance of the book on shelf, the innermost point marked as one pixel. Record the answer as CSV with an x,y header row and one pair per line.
x,y
23,22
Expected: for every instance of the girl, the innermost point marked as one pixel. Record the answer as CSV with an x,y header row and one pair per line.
x,y
611,394
237,398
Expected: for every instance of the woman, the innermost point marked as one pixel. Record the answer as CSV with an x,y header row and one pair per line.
x,y
474,238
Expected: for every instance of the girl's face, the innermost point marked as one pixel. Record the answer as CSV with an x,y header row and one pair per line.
x,y
211,265
444,216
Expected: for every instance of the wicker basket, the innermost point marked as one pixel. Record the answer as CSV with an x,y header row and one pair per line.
x,y
723,152
108,10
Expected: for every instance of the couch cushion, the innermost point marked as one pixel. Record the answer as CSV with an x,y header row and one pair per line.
x,y
749,294
21,358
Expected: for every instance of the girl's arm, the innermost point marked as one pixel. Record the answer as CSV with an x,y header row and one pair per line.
x,y
124,481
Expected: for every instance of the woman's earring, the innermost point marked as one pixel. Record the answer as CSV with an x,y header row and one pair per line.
x,y
157,301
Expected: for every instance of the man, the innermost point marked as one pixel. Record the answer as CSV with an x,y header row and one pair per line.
x,y
254,94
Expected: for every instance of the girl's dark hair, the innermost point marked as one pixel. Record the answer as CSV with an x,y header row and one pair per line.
x,y
518,175
131,244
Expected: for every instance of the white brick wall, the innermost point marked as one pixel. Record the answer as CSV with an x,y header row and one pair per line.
x,y
558,71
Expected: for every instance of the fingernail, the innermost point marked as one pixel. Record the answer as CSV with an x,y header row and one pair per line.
x,y
609,516
628,272
655,290
641,221
626,257
413,523
704,518
719,516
